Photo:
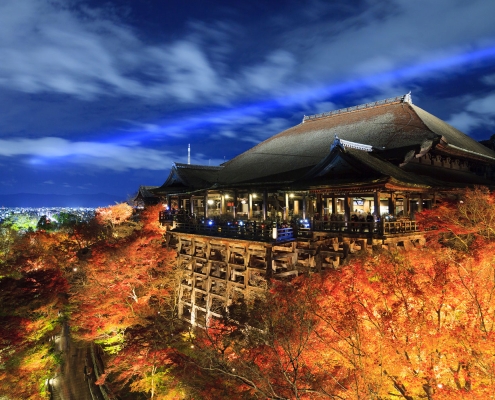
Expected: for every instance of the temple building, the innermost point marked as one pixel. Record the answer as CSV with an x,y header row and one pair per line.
x,y
339,182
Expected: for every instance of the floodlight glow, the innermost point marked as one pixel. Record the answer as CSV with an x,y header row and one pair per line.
x,y
323,92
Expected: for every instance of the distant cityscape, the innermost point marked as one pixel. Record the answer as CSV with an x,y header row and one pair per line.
x,y
75,201
83,213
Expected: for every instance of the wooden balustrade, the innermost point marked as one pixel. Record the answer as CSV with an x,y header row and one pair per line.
x,y
259,231
244,230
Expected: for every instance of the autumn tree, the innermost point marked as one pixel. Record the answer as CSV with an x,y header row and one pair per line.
x,y
125,302
33,291
415,325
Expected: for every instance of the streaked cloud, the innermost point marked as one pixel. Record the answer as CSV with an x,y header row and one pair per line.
x,y
103,155
72,75
478,112
47,47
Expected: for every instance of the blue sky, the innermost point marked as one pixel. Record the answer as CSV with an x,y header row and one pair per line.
x,y
102,96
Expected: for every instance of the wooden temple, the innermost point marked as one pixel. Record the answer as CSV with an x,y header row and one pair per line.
x,y
303,200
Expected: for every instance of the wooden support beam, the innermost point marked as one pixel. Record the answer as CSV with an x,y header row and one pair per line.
x,y
304,206
391,205
347,208
265,204
268,260
376,205
222,204
286,212
250,205
205,202
236,199
319,205
334,205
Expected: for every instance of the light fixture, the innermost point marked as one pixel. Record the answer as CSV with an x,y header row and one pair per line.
x,y
210,202
291,195
254,195
226,196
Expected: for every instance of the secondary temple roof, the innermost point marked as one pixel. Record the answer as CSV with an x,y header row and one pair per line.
x,y
390,132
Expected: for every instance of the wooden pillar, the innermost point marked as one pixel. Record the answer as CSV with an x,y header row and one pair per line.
x,y
406,204
376,205
391,204
205,202
334,205
310,206
420,203
250,205
265,204
319,205
191,205
223,209
304,206
235,200
296,207
286,212
268,260
347,207
169,203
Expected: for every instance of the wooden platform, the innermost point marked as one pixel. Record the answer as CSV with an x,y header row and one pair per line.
x,y
217,271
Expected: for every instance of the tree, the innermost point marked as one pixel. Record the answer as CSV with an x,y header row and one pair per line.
x,y
392,325
125,302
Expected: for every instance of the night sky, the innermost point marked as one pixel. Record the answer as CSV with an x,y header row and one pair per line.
x,y
102,96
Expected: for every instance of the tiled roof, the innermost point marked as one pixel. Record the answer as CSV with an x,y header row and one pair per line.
x,y
390,132
395,128
189,177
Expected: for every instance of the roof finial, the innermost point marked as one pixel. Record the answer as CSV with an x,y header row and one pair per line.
x,y
336,142
407,98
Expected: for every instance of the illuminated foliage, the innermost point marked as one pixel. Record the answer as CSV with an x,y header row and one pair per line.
x,y
21,222
125,302
405,325
392,325
114,215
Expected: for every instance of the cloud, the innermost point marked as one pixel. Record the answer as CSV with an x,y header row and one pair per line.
x,y
478,112
101,155
489,80
465,121
47,47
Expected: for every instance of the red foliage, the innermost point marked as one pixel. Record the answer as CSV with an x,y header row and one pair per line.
x,y
114,215
408,325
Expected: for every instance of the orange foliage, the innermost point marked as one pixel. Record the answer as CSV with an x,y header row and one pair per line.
x,y
409,325
114,215
124,303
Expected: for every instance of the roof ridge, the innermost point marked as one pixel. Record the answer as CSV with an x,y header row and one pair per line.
x,y
406,98
197,166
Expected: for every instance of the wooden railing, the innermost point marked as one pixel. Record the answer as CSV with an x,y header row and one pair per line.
x,y
380,227
270,232
400,226
241,230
